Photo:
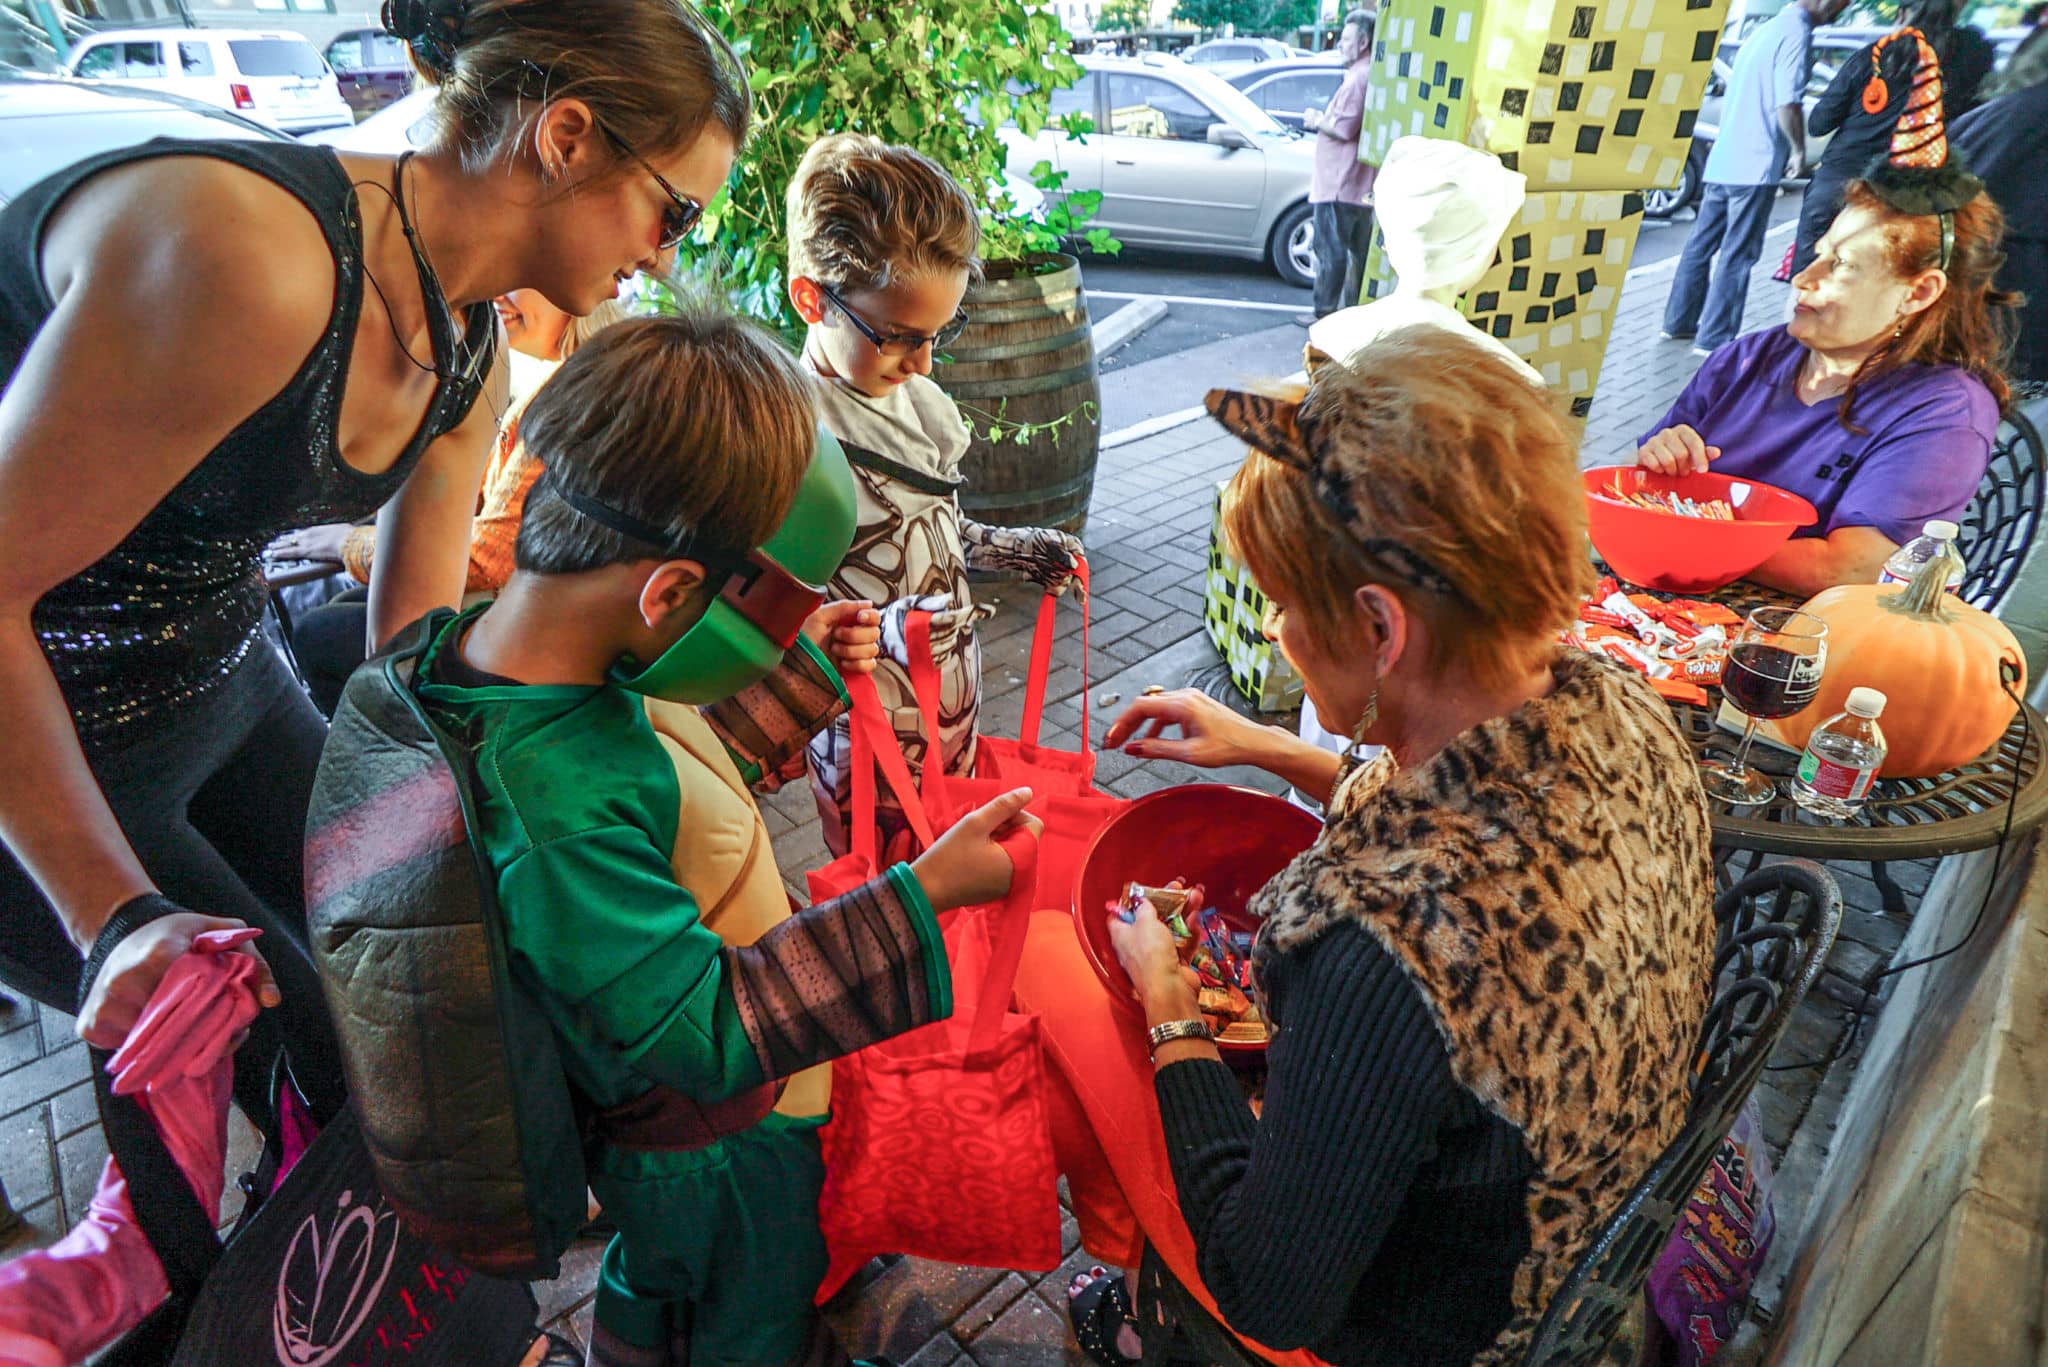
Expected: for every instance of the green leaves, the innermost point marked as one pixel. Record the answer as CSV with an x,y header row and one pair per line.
x,y
943,76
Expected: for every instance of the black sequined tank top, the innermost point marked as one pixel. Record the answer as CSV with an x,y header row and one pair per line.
x,y
163,619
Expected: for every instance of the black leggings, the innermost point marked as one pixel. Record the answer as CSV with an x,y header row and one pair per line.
x,y
329,642
214,802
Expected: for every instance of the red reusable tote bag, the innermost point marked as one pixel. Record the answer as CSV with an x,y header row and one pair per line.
x,y
1064,797
940,1142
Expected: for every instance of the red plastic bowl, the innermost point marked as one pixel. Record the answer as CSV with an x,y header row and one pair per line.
x,y
1230,840
1689,554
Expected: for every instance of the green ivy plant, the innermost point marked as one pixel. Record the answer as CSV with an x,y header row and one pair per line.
x,y
942,76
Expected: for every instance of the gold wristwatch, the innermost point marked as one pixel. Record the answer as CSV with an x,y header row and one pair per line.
x,y
1166,1032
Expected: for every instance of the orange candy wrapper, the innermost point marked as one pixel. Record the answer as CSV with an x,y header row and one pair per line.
x,y
1680,646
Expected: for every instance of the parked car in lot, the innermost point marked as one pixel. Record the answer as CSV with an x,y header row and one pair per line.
x,y
1288,90
372,68
1235,52
1183,159
45,125
278,79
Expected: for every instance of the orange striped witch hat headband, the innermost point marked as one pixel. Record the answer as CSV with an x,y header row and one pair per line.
x,y
1918,175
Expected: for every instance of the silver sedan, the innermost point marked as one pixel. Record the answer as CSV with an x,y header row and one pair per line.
x,y
1182,159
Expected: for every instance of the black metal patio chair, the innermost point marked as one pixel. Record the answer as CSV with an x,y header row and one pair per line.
x,y
1999,525
1775,928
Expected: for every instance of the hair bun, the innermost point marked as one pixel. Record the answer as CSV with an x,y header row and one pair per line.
x,y
431,28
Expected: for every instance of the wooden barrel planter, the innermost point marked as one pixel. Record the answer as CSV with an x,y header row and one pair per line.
x,y
1026,366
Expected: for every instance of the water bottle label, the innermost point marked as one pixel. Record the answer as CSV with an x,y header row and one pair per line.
x,y
1830,779
1954,586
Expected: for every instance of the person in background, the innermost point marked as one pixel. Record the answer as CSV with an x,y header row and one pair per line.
x,y
882,244
1762,141
1340,186
2005,142
1862,105
1879,401
2028,65
329,642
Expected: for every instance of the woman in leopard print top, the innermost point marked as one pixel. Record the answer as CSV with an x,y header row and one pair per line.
x,y
1486,977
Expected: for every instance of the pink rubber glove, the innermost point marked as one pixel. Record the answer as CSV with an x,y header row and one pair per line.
x,y
59,1304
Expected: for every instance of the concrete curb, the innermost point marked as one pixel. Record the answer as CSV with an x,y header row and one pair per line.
x,y
1125,324
1166,422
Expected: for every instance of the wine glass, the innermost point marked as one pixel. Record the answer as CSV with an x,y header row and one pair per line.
x,y
1773,671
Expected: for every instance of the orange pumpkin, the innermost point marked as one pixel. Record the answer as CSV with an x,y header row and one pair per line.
x,y
1935,658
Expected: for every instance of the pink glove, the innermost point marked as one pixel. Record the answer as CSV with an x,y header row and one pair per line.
x,y
59,1304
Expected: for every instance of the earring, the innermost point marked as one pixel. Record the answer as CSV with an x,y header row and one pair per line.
x,y
1366,718
1899,331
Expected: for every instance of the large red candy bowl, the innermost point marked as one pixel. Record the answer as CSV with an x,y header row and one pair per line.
x,y
1659,550
1230,840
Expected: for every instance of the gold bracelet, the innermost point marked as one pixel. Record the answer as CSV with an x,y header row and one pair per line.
x,y
1166,1032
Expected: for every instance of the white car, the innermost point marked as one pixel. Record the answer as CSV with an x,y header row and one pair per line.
x,y
1183,159
278,79
1234,54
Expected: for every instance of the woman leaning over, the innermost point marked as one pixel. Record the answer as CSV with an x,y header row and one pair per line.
x,y
321,346
1486,976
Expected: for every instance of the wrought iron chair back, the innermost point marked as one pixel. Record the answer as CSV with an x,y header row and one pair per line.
x,y
1999,525
1775,928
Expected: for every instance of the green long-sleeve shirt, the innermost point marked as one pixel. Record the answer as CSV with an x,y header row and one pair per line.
x,y
578,817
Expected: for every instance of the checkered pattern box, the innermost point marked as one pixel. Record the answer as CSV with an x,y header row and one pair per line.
x,y
1598,96
1551,292
1233,609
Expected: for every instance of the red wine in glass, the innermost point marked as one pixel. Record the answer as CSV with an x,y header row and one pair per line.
x,y
1768,682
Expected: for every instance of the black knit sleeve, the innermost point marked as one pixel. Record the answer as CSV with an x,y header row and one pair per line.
x,y
1841,95
1288,1211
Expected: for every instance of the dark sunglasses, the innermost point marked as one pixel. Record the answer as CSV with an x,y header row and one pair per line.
x,y
682,213
898,344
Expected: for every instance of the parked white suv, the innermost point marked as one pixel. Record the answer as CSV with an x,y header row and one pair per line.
x,y
278,79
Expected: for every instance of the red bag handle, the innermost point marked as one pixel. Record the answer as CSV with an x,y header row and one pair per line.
x,y
924,682
875,744
1041,661
1013,925
924,686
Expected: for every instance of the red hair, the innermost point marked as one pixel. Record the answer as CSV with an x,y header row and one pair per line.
x,y
1969,325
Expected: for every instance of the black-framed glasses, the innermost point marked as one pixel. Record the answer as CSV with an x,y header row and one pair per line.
x,y
682,213
899,344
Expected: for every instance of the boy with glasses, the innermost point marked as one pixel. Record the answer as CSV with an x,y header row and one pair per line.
x,y
882,246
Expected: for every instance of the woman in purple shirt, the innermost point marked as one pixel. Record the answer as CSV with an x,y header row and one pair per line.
x,y
1878,402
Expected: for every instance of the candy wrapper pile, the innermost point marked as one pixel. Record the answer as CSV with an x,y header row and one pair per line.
x,y
1220,958
1679,646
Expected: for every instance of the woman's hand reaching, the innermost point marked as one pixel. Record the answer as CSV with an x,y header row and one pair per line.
x,y
1677,451
1211,735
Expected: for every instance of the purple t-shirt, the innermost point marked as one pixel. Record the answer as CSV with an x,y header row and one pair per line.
x,y
1927,437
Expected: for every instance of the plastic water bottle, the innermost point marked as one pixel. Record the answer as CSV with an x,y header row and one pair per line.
x,y
1842,758
1935,538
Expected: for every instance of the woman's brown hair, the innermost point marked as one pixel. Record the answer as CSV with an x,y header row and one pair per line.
x,y
1437,471
1968,326
655,73
699,423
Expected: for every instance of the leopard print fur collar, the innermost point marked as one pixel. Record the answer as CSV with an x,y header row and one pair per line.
x,y
1545,881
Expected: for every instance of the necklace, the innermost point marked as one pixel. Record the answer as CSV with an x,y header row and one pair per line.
x,y
446,338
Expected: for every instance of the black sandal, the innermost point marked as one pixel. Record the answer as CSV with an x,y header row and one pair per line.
x,y
1098,1313
560,1353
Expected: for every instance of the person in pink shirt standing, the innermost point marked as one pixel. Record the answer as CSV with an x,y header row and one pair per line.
x,y
1340,191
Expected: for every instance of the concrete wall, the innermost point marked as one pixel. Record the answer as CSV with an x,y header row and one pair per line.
x,y
1927,1239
